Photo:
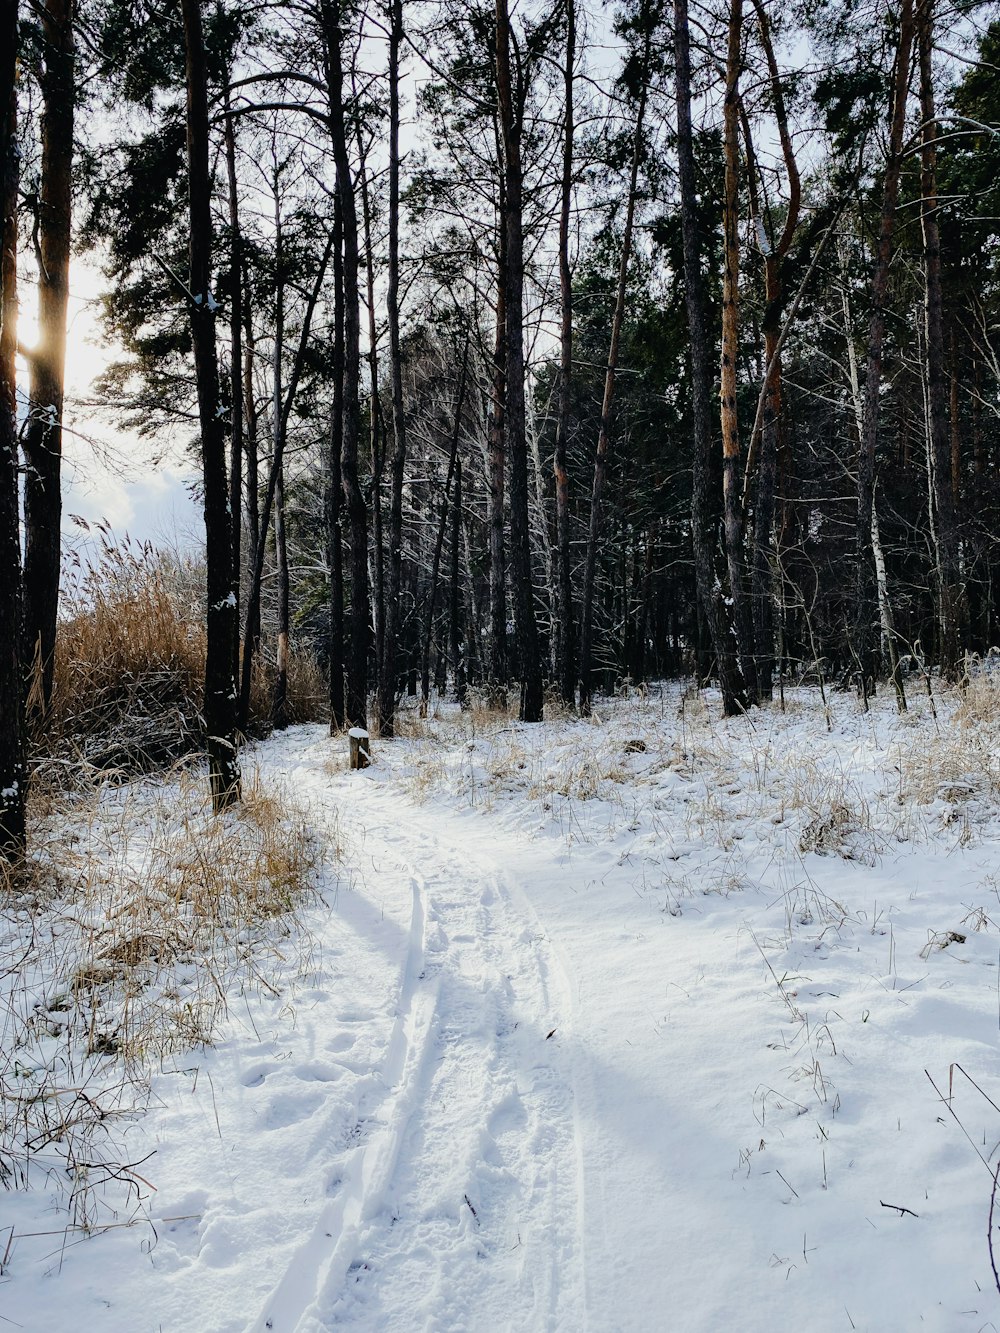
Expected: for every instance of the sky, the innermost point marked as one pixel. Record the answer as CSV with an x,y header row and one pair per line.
x,y
107,474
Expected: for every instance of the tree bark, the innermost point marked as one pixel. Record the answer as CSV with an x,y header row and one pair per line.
x,y
425,658
42,440
762,577
886,617
865,595
457,634
566,645
386,699
222,615
251,617
334,497
236,394
731,494
279,698
376,432
952,609
510,97
13,771
709,592
356,700
607,404
496,654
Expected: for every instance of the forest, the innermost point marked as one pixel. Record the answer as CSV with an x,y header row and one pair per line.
x,y
531,352
530,861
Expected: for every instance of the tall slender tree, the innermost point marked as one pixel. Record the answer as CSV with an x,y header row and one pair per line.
x,y
222,611
865,595
42,436
566,645
775,249
510,100
13,772
647,20
728,380
386,705
709,596
334,491
953,614
356,699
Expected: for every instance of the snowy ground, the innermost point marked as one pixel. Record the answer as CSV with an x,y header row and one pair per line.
x,y
646,1022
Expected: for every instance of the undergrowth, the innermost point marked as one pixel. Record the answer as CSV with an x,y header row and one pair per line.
x,y
129,667
139,920
670,761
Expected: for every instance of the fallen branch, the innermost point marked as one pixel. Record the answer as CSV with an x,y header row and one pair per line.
x,y
900,1209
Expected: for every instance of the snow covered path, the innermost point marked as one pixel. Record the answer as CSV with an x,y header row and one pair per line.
x,y
614,1089
585,1040
461,1200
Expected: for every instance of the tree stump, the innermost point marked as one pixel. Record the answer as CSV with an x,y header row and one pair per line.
x,y
361,755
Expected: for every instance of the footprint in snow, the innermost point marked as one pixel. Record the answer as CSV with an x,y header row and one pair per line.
x,y
318,1071
507,1117
354,1016
255,1076
291,1108
437,940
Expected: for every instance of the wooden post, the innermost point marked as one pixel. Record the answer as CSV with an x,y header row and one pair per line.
x,y
361,755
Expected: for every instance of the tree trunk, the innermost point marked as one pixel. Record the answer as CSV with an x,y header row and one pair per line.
x,y
356,701
42,440
334,495
251,624
952,609
375,427
236,394
425,659
386,699
731,494
865,596
954,421
251,614
762,588
457,639
709,596
496,653
279,698
566,646
510,100
222,615
607,405
886,617
13,771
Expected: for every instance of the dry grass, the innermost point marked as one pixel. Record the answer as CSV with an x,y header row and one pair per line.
x,y
960,763
130,664
142,917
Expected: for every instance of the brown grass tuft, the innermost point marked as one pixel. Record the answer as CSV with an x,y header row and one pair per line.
x,y
130,664
142,918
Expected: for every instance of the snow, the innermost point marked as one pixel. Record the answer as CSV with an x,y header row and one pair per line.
x,y
651,1022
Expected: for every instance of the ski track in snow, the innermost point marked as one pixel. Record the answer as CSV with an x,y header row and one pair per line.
x,y
474,1077
571,1069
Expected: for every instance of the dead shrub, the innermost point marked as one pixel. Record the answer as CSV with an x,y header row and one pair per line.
x,y
129,665
154,915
